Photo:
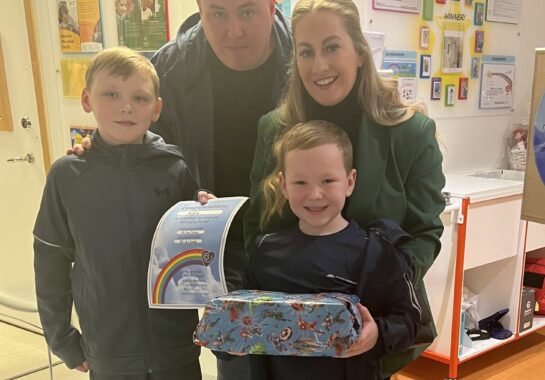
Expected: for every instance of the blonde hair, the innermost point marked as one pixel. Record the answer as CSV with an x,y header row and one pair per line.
x,y
121,61
378,97
306,135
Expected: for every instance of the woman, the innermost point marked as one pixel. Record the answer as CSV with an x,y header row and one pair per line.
x,y
397,157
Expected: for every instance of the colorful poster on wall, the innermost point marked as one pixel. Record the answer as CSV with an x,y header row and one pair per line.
x,y
403,66
78,133
533,206
284,6
142,24
73,76
80,27
497,82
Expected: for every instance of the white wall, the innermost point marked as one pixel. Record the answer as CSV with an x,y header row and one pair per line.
x,y
472,139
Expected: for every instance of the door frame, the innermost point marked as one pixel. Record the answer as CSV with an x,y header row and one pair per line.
x,y
38,84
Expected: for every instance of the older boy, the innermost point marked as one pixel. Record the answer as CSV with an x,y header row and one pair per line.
x,y
94,229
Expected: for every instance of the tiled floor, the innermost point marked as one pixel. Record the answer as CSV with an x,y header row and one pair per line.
x,y
22,351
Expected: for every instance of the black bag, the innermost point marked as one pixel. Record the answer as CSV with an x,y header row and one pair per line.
x,y
394,235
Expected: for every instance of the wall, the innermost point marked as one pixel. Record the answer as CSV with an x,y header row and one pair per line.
x,y
472,139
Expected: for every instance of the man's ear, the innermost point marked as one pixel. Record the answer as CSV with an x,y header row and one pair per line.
x,y
283,187
272,6
85,101
351,180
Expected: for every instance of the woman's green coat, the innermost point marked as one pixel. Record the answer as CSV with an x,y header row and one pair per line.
x,y
399,177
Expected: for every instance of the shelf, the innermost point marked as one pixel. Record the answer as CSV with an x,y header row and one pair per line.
x,y
539,322
481,346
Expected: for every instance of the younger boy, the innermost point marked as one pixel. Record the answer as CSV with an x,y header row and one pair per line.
x,y
94,229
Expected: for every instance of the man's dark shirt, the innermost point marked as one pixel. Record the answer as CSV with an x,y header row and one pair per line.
x,y
240,98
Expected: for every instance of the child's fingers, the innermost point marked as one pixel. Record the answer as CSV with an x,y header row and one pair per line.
x,y
203,197
86,143
365,315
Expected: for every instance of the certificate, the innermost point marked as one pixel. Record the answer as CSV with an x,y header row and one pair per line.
x,y
186,261
497,81
503,11
411,6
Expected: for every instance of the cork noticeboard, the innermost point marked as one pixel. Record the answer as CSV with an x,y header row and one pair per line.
x,y
533,200
5,111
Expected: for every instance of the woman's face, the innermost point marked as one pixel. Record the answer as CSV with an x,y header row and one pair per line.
x,y
326,58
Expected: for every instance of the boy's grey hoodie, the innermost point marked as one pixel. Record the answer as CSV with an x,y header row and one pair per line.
x,y
92,245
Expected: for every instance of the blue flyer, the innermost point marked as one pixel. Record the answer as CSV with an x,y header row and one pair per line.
x,y
186,261
539,139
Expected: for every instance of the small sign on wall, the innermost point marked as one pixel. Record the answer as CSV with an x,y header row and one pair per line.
x,y
5,111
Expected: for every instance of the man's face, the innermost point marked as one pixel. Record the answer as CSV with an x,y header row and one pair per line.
x,y
239,31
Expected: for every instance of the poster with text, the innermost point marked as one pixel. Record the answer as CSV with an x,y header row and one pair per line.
x,y
80,27
142,24
403,65
411,6
507,11
497,82
186,262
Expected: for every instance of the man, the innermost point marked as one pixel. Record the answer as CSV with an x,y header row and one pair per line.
x,y
225,69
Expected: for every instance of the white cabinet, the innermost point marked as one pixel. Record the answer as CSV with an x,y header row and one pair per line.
x,y
482,250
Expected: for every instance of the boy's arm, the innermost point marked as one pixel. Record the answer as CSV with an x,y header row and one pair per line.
x,y
52,266
397,327
53,259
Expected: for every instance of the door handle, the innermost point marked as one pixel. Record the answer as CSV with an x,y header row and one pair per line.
x,y
29,157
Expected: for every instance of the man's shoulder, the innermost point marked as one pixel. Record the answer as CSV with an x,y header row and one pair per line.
x,y
187,45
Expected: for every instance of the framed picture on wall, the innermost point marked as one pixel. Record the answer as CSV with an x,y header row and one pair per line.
x,y
463,88
449,95
469,2
436,88
475,66
478,14
424,37
411,6
479,41
452,54
425,66
441,1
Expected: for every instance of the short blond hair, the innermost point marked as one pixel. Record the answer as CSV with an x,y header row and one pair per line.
x,y
121,61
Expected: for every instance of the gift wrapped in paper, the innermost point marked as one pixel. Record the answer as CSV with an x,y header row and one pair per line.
x,y
275,323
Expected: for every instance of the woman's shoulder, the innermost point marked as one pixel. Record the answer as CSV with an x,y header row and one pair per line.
x,y
417,124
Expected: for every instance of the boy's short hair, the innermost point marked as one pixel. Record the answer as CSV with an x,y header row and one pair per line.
x,y
122,61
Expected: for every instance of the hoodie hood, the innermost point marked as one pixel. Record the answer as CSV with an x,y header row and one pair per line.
x,y
131,155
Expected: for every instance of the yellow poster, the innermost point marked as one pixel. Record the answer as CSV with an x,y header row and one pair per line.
x,y
73,76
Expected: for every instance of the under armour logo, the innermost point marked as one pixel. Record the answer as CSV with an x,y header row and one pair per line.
x,y
160,192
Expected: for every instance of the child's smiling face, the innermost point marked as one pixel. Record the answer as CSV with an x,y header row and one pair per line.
x,y
316,183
